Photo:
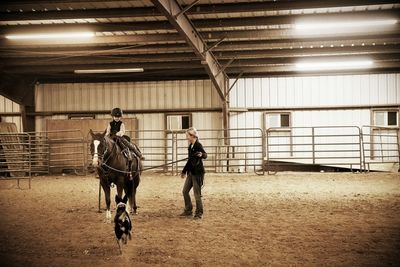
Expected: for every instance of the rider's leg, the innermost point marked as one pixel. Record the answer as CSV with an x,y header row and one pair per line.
x,y
136,150
132,147
127,145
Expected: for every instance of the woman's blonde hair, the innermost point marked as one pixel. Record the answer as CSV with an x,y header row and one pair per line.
x,y
193,132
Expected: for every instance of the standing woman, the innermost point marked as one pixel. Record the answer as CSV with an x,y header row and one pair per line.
x,y
194,173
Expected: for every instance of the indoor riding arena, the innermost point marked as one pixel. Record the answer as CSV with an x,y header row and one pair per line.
x,y
199,133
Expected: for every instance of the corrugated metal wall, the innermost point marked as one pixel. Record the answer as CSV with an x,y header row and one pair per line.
x,y
316,91
127,95
261,94
6,106
314,101
286,93
170,95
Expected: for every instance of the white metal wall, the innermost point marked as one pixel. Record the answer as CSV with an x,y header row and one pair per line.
x,y
344,94
286,93
6,105
130,95
127,95
316,91
168,95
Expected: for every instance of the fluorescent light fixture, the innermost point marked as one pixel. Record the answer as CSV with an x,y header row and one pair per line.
x,y
344,24
65,35
94,71
334,65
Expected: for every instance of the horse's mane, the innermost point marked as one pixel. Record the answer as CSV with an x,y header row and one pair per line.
x,y
111,143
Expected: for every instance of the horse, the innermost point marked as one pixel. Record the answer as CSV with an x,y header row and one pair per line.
x,y
112,167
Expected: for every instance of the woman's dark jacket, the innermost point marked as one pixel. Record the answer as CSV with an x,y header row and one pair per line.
x,y
194,165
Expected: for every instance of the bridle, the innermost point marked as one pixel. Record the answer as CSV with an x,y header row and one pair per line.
x,y
104,162
105,152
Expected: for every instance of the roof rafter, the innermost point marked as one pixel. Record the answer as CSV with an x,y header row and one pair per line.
x,y
186,29
151,11
199,23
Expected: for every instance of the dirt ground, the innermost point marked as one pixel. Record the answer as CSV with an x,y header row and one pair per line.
x,y
288,219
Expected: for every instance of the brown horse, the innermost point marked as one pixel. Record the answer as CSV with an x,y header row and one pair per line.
x,y
112,167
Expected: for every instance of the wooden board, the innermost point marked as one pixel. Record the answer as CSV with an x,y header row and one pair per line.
x,y
8,127
11,145
84,125
68,140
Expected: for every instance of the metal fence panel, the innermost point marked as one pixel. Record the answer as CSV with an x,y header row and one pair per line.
x,y
15,157
320,145
381,145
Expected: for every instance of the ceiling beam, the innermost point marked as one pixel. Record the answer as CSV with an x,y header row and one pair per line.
x,y
190,74
199,23
290,69
190,56
38,69
187,30
200,9
270,36
233,45
197,75
179,65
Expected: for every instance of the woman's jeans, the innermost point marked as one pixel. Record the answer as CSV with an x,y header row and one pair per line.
x,y
193,181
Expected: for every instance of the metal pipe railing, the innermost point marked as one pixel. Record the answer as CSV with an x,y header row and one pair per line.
x,y
314,145
15,157
383,146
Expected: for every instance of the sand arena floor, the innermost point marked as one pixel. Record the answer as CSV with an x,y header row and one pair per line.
x,y
299,219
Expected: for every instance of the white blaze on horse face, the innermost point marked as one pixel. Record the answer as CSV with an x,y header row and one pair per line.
x,y
96,143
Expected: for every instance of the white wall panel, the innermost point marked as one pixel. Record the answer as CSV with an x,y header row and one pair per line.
x,y
127,95
6,105
340,90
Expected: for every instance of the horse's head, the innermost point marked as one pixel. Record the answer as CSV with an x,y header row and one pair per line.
x,y
98,146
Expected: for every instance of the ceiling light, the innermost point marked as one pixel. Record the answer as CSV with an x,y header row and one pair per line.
x,y
343,24
94,71
333,65
65,35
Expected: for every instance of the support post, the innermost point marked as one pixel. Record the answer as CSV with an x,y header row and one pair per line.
x,y
177,17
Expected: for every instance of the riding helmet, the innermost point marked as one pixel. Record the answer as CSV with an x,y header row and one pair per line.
x,y
116,112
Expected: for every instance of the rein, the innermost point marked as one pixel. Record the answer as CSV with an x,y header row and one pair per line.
x,y
104,163
146,169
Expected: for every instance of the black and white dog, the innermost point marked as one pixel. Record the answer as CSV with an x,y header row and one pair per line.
x,y
123,224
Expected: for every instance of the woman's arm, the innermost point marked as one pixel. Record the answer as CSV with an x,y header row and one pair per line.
x,y
201,150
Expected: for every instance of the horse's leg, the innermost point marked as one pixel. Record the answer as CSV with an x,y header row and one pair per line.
x,y
107,191
134,184
120,186
128,192
136,180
